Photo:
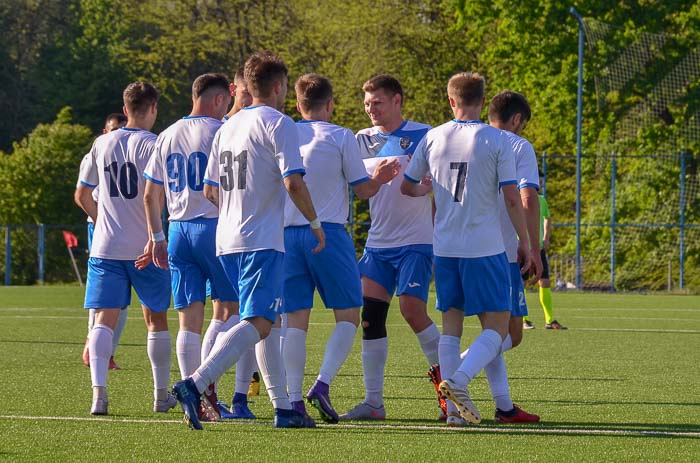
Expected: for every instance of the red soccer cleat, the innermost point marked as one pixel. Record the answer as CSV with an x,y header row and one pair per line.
x,y
517,415
113,365
435,378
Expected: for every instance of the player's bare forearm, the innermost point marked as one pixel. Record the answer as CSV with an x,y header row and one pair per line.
x,y
531,205
385,172
547,230
153,199
212,194
415,190
299,194
83,198
515,211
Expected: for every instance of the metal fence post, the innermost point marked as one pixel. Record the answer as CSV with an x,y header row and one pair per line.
x,y
579,119
613,220
681,254
543,187
8,256
41,241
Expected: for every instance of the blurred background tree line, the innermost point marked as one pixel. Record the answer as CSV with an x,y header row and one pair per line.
x,y
81,53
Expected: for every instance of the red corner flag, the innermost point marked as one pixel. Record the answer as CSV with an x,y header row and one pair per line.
x,y
70,239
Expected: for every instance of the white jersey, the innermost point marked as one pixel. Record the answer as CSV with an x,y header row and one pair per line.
x,y
397,220
249,157
178,163
84,164
468,161
332,160
117,161
527,175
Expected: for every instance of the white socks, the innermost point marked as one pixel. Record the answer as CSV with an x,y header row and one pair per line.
x,y
374,355
119,328
210,335
245,368
294,355
272,369
159,351
429,339
481,352
449,362
498,382
100,346
187,348
232,344
337,350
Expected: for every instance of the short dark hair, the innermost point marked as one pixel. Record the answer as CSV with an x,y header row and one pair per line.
x,y
139,96
508,103
240,74
262,70
385,82
313,91
209,81
467,88
120,118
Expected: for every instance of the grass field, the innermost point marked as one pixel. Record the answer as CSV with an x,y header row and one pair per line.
x,y
622,384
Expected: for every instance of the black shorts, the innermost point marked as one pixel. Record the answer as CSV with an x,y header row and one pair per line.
x,y
545,265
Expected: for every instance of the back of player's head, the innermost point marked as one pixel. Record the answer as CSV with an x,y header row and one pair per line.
x,y
386,82
210,83
115,120
261,71
467,88
239,77
313,91
508,103
140,96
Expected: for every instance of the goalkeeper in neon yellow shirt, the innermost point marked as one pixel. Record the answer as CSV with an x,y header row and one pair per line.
x,y
545,285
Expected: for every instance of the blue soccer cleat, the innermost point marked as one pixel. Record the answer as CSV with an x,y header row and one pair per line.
x,y
186,393
292,419
319,398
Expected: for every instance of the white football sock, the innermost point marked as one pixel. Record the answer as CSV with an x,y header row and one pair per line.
x,y
100,346
374,355
119,329
449,362
506,346
187,348
272,369
232,344
497,376
159,352
283,330
338,348
245,368
481,352
210,335
429,339
294,356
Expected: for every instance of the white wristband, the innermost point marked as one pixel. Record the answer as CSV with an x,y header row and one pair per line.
x,y
315,224
156,237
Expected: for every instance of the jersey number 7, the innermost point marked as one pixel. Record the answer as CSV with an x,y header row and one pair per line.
x,y
461,168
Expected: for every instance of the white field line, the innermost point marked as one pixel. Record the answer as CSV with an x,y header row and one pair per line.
x,y
409,427
633,318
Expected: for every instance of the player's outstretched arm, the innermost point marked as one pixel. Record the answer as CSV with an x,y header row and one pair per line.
x,y
153,200
211,192
83,198
299,194
531,205
515,211
385,172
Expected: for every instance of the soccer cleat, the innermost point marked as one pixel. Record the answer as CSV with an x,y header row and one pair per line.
x,y
364,411
186,393
318,397
254,388
435,378
240,411
99,407
528,325
292,419
211,403
86,353
461,399
516,415
163,406
442,417
454,420
113,365
555,325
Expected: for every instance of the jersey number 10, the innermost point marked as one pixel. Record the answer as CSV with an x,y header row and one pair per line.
x,y
227,160
124,180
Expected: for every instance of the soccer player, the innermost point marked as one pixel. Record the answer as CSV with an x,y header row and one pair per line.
x,y
254,158
469,162
113,122
117,161
176,170
398,252
545,223
239,92
332,160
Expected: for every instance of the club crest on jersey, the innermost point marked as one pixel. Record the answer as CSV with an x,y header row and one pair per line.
x,y
404,143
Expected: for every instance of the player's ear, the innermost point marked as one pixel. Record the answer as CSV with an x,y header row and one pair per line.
x,y
453,102
125,111
298,107
232,89
329,105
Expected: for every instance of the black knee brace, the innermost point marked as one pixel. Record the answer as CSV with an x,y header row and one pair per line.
x,y
374,314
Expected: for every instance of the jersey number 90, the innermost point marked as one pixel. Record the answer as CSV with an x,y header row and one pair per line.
x,y
185,171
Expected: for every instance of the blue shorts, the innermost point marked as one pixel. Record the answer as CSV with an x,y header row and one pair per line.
x,y
518,304
475,285
404,270
109,285
90,231
259,276
192,260
333,271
